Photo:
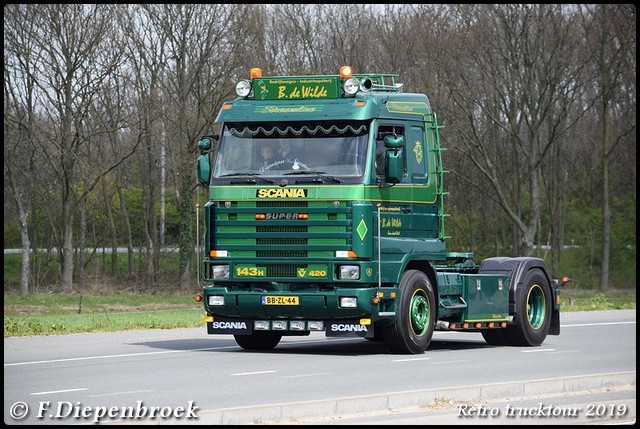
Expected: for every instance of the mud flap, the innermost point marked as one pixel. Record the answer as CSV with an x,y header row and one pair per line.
x,y
348,328
223,325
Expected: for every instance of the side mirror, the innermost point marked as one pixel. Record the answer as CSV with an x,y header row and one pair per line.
x,y
393,142
205,143
203,164
204,169
394,159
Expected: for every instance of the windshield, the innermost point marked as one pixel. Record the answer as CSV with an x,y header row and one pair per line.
x,y
336,149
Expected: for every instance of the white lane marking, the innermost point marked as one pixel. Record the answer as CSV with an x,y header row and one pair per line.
x,y
129,392
410,359
598,324
115,356
306,375
538,350
60,391
254,373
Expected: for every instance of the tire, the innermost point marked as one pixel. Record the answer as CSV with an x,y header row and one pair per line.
x,y
258,340
495,337
413,330
533,309
377,334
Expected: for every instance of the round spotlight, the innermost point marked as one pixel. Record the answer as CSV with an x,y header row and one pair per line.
x,y
243,88
351,86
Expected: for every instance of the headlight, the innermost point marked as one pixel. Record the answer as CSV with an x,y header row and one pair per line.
x,y
348,302
220,271
216,300
243,88
351,86
349,272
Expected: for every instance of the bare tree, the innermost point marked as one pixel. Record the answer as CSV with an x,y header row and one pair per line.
x,y
74,57
513,80
611,37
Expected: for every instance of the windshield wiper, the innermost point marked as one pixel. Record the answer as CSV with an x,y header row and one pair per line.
x,y
315,173
252,175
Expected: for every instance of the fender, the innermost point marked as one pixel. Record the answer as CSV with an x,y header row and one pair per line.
x,y
516,269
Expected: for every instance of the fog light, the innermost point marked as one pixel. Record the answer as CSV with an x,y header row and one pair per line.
x,y
315,325
216,300
279,325
297,325
349,272
261,325
220,271
348,302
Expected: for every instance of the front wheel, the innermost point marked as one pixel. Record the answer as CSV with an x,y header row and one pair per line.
x,y
533,311
258,340
413,330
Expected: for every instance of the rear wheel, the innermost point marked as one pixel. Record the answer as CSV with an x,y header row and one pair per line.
x,y
258,340
533,311
413,330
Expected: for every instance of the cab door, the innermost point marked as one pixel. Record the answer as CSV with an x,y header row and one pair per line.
x,y
420,163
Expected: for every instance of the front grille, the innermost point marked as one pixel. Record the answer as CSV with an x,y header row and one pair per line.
x,y
237,230
283,271
281,254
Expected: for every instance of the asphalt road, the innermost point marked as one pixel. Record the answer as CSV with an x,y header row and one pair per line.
x,y
187,376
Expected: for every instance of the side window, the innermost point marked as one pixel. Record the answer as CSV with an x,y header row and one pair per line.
x,y
383,131
416,154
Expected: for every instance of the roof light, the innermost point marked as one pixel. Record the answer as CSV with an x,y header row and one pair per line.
x,y
345,72
256,72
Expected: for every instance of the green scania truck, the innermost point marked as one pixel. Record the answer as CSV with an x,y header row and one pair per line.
x,y
326,213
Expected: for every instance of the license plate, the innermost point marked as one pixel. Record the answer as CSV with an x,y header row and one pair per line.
x,y
280,300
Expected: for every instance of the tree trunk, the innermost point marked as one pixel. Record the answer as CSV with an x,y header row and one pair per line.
x,y
186,235
606,213
26,245
82,244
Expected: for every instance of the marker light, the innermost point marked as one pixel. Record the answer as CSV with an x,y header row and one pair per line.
x,y
218,253
256,72
345,72
243,88
346,254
